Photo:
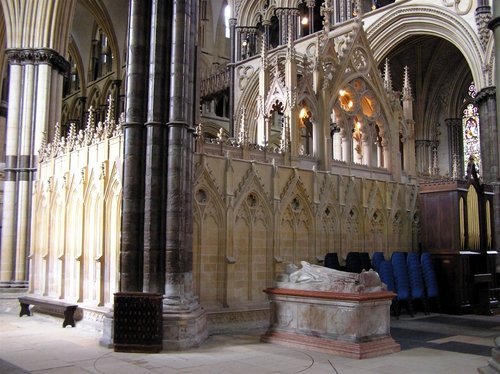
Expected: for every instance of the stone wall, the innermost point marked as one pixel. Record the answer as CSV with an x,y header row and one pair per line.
x,y
250,220
253,218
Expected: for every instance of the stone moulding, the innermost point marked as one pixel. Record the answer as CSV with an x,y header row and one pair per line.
x,y
354,325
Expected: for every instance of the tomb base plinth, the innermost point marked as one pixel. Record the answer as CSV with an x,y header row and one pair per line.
x,y
354,325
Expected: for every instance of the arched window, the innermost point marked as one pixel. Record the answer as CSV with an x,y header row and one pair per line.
x,y
72,81
306,131
102,58
470,126
275,124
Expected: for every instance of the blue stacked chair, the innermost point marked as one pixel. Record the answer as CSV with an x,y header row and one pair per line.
x,y
417,287
377,258
402,282
353,262
332,261
386,274
430,281
366,263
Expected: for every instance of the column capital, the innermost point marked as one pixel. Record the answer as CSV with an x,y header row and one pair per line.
x,y
485,94
453,121
35,56
494,23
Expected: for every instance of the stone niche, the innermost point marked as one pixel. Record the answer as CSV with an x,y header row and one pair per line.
x,y
331,311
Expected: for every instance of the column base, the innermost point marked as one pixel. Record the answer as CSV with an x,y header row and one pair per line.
x,y
107,331
184,329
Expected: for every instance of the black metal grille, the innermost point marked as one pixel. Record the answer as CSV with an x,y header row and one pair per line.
x,y
138,323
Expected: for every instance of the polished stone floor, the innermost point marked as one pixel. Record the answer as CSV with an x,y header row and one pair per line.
x,y
434,344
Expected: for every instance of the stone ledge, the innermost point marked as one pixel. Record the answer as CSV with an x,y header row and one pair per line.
x,y
368,296
373,348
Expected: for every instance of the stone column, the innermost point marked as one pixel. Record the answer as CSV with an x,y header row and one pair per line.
x,y
288,18
31,95
10,182
346,146
281,25
117,84
318,133
409,149
366,149
435,160
380,155
337,146
455,142
263,117
424,156
155,152
232,57
83,100
265,40
494,26
310,8
488,134
184,322
131,251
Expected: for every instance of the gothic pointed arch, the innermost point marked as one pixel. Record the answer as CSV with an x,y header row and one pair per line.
x,y
51,32
328,218
278,92
93,241
252,183
305,90
403,21
352,217
376,220
57,249
41,237
78,68
399,219
208,244
112,221
252,252
296,222
360,78
74,244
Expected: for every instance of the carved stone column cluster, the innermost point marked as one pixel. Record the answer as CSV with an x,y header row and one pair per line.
x,y
427,157
247,42
35,85
288,24
156,245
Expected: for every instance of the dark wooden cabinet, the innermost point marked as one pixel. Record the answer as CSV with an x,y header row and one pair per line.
x,y
457,229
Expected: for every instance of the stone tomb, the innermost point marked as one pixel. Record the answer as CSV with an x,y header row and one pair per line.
x,y
331,311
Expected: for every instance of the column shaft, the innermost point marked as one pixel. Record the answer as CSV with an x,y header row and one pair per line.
x,y
25,169
155,152
486,102
178,278
10,184
131,255
232,57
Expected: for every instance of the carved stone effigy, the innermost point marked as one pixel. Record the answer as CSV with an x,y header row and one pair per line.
x,y
331,311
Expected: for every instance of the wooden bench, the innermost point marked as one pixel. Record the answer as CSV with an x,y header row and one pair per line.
x,y
51,306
